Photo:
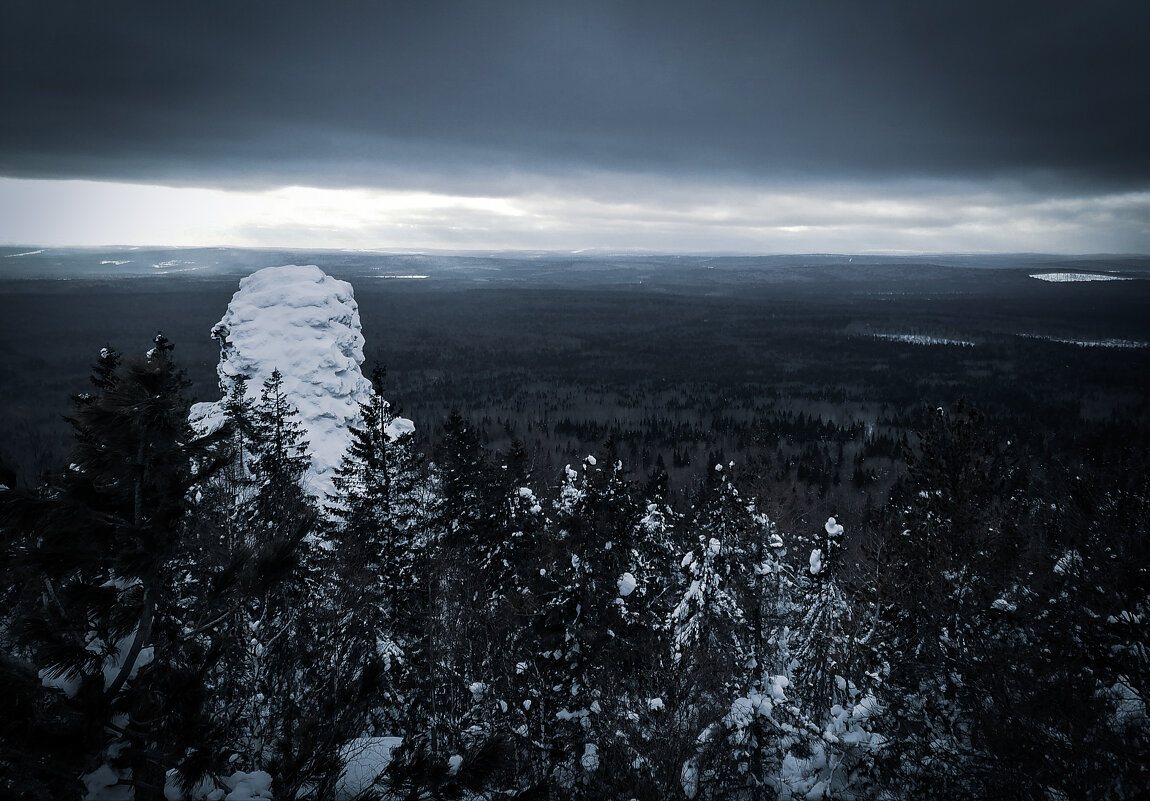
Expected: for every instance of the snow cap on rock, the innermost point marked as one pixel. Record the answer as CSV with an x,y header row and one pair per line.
x,y
304,323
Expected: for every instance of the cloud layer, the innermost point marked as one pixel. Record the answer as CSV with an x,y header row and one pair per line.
x,y
916,216
615,104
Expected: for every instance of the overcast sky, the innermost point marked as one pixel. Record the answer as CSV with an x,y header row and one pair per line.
x,y
665,126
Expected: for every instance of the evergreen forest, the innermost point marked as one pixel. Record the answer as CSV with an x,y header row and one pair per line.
x,y
735,530
179,612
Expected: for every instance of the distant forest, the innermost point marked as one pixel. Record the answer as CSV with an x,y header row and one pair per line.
x,y
642,544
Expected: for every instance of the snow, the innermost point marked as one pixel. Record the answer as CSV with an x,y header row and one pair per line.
x,y
590,758
240,786
366,758
1123,344
1061,278
306,324
689,779
566,714
1069,562
743,710
399,427
102,784
923,339
254,786
627,584
816,561
833,528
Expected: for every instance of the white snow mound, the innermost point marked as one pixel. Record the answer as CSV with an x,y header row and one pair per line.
x,y
304,323
627,584
1062,278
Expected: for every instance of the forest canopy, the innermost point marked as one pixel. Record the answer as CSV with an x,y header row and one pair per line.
x,y
186,615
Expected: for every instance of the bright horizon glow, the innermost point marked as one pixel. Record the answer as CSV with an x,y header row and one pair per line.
x,y
588,212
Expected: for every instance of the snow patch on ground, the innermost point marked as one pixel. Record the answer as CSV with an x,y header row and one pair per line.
x,y
1092,343
240,786
923,339
103,784
1061,278
254,786
305,323
365,759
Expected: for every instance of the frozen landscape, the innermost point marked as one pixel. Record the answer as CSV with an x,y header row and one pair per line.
x,y
644,400
372,605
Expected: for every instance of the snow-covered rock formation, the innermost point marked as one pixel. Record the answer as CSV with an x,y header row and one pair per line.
x,y
304,323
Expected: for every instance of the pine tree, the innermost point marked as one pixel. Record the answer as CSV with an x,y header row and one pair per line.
x,y
824,650
271,662
280,462
836,705
732,628
709,626
602,643
377,550
952,548
451,650
101,542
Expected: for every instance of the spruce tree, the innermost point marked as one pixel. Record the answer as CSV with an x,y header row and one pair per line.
x,y
377,543
101,541
952,549
603,649
273,664
731,630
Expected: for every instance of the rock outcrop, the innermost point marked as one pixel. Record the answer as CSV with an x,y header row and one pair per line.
x,y
304,323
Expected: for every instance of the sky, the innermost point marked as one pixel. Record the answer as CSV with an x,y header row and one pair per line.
x,y
668,126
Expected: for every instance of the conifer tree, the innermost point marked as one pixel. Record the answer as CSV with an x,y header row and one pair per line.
x,y
377,548
465,531
710,628
836,704
732,626
273,662
280,462
952,548
824,650
603,646
101,541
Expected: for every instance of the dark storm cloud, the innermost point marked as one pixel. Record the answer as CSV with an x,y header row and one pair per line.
x,y
439,94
